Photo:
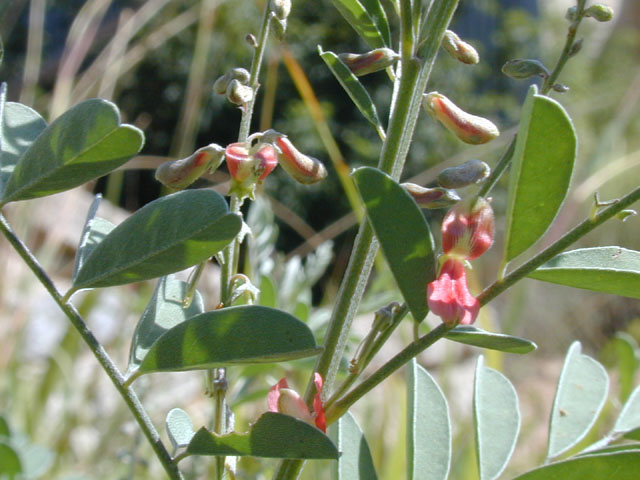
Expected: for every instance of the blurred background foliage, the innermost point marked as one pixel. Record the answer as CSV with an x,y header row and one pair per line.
x,y
157,60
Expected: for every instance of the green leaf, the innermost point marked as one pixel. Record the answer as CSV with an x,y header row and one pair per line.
x,y
352,86
619,466
364,22
355,462
230,336
542,164
379,16
84,143
602,269
497,420
629,418
268,294
163,312
5,431
19,128
477,337
95,229
167,235
580,395
428,427
10,465
614,448
179,428
626,347
403,233
274,435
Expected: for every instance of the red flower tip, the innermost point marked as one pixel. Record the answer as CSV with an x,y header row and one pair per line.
x,y
282,399
467,229
449,297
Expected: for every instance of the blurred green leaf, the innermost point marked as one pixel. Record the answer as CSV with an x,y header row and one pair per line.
x,y
10,465
84,143
274,435
602,269
627,362
379,16
230,336
403,233
36,460
619,466
542,164
163,312
497,420
179,428
5,431
95,229
581,393
268,295
364,22
165,236
352,86
19,128
629,418
428,427
477,337
355,462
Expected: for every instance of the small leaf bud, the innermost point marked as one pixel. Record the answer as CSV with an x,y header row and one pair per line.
x,y
179,174
281,8
300,167
526,68
468,128
599,12
468,173
576,47
373,61
572,13
250,38
560,88
458,49
431,197
238,93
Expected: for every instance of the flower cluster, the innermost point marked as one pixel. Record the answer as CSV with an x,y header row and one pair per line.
x,y
282,399
467,232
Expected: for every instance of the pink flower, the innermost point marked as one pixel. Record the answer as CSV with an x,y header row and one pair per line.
x,y
282,399
467,229
449,297
244,166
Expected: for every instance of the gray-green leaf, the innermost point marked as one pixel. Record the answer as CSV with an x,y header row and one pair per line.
x,y
179,428
580,395
629,418
428,427
477,337
355,462
623,465
497,420
84,143
10,465
95,229
602,269
541,169
165,236
364,22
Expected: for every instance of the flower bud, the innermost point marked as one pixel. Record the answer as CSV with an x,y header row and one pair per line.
x,y
599,12
221,85
468,128
448,296
469,173
279,28
431,197
179,174
265,160
281,8
572,13
560,88
247,167
467,229
527,68
238,93
576,47
373,61
458,49
300,167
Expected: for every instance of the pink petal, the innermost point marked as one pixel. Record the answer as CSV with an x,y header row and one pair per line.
x,y
318,409
274,394
449,297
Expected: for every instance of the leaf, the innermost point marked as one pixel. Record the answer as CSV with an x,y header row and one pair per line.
x,y
625,346
163,312
379,17
403,233
352,86
613,448
619,466
84,143
497,420
19,128
477,337
167,235
602,269
428,427
95,229
542,164
355,462
230,336
362,21
179,428
10,465
5,431
629,418
582,390
268,294
274,435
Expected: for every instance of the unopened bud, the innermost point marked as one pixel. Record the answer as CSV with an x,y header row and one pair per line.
x,y
560,88
245,166
572,13
302,168
468,173
458,49
576,47
431,197
526,68
179,174
468,128
265,160
238,93
281,8
467,229
279,28
373,61
250,38
221,85
599,12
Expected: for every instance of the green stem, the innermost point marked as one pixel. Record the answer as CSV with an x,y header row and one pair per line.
x,y
557,247
127,394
